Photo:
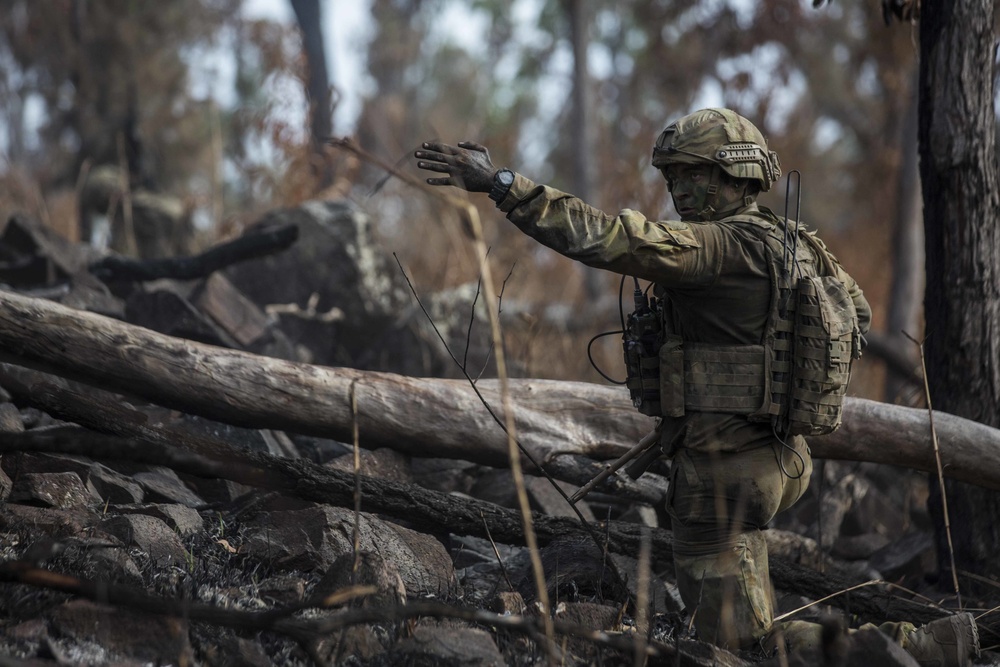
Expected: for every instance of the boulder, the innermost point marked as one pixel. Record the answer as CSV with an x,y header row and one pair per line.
x,y
53,489
442,645
126,632
314,538
57,523
342,301
148,533
180,518
162,485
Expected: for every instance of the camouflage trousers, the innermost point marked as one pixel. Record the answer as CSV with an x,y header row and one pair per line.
x,y
718,503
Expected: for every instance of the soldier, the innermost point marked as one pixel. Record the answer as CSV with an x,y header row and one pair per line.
x,y
718,272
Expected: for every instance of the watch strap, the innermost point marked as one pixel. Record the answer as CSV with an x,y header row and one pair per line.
x,y
502,181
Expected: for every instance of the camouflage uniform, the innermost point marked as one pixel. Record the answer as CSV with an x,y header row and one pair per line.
x,y
737,368
729,474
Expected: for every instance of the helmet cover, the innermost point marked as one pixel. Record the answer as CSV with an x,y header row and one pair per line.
x,y
721,137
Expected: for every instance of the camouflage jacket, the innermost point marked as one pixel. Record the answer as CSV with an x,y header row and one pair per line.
x,y
715,274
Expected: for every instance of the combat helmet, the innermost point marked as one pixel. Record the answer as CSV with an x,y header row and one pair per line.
x,y
721,137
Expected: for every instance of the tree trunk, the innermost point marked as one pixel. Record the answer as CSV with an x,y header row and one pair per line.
x,y
908,262
318,91
961,208
421,417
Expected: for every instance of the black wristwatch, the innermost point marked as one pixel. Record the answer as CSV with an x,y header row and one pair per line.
x,y
502,180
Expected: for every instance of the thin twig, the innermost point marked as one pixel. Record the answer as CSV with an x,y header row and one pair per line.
x,y
988,612
642,602
489,352
482,399
496,551
940,469
357,479
472,319
874,582
470,217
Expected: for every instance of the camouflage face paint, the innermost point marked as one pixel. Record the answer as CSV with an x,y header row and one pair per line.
x,y
689,184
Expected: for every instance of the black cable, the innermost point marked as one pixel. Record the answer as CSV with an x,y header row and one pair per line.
x,y
594,363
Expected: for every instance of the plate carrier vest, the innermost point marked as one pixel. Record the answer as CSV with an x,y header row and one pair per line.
x,y
796,378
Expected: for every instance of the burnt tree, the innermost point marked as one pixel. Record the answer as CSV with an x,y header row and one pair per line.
x,y
958,168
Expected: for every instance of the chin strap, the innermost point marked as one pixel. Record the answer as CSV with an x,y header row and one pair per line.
x,y
710,212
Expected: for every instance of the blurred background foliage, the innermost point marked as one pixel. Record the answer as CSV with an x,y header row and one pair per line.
x,y
208,102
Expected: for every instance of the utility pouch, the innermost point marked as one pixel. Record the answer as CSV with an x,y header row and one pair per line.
x,y
671,361
824,345
640,342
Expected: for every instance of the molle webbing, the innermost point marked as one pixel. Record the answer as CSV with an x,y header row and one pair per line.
x,y
724,378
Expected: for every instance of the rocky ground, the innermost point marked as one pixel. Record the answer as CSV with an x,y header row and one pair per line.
x,y
105,560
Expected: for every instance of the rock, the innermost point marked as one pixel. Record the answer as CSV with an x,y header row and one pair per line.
x,y
383,463
282,589
33,630
57,523
445,646
314,538
337,264
53,489
497,486
163,306
5,486
799,549
508,603
305,540
181,518
357,642
871,647
912,555
148,533
230,651
859,547
444,475
837,501
35,255
162,485
431,570
111,564
112,486
863,648
127,632
588,616
575,569
664,597
371,570
10,418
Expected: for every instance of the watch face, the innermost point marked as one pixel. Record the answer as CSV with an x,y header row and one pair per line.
x,y
506,177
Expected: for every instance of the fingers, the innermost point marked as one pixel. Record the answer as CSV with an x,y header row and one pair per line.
x,y
439,181
472,146
435,166
438,147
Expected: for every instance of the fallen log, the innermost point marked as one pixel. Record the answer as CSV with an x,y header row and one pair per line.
x,y
257,242
105,412
424,417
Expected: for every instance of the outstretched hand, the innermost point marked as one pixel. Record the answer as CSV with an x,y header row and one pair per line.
x,y
467,165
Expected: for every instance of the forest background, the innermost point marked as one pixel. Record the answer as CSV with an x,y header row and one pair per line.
x,y
209,101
